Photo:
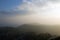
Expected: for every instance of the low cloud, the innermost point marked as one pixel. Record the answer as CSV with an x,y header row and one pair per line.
x,y
33,11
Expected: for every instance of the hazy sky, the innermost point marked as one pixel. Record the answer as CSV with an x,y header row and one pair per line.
x,y
17,12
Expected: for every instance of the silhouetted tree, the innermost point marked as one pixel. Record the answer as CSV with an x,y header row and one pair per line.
x,y
44,36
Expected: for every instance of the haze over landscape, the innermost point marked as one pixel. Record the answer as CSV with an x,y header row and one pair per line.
x,y
31,12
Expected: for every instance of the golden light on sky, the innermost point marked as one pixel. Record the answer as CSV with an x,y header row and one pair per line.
x,y
36,11
39,11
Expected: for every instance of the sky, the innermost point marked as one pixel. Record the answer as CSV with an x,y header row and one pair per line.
x,y
9,4
18,12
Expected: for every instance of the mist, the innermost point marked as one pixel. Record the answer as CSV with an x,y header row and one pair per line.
x,y
34,11
43,12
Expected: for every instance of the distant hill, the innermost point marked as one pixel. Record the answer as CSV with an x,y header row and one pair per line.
x,y
38,28
32,28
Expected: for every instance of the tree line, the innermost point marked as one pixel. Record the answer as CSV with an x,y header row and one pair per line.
x,y
12,33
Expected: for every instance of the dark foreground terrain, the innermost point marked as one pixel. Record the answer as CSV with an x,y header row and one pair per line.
x,y
14,33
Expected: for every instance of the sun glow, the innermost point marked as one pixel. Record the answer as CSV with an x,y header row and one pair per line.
x,y
43,12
